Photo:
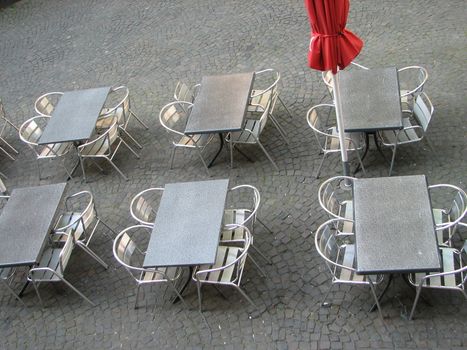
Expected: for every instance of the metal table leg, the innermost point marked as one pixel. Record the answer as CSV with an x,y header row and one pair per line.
x,y
367,142
391,277
177,299
221,137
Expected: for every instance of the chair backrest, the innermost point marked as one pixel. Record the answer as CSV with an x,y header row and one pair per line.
x,y
423,110
127,251
327,76
457,209
173,116
333,192
315,119
2,187
143,207
414,80
102,144
270,78
65,254
46,103
183,93
31,130
239,195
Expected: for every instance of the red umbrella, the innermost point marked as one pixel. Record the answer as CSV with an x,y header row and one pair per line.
x,y
332,46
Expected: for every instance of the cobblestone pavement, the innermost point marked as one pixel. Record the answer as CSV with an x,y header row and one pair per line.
x,y
49,45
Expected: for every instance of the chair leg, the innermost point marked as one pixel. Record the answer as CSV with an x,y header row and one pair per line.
x,y
373,291
320,165
261,254
283,104
108,227
139,120
392,160
131,138
200,296
417,296
97,165
116,168
93,255
264,225
81,162
246,296
137,296
6,153
10,146
131,149
202,160
13,292
172,156
66,170
38,168
267,155
257,266
324,303
77,291
178,294
361,161
279,128
36,288
231,144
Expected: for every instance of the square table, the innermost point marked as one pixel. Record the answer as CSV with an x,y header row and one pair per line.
x,y
188,224
370,99
25,222
394,226
75,115
220,106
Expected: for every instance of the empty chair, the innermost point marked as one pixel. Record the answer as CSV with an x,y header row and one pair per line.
x,y
104,146
327,136
447,214
227,270
414,128
6,122
173,117
252,130
31,131
129,251
184,93
51,268
46,103
143,207
327,77
119,98
268,94
412,79
452,277
339,256
80,220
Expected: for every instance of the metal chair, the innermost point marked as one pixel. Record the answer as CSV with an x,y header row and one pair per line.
x,y
335,197
227,270
80,220
127,252
339,256
452,277
173,118
448,218
184,93
327,135
143,208
52,266
120,96
327,77
261,97
46,103
412,80
251,133
31,131
5,122
414,128
104,146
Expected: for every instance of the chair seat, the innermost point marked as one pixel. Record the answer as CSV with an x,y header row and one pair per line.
x,y
451,262
50,258
261,100
346,211
246,136
391,137
54,149
235,216
66,219
201,140
225,255
156,275
333,144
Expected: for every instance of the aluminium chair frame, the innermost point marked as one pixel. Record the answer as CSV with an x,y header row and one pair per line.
x,y
43,106
6,122
140,209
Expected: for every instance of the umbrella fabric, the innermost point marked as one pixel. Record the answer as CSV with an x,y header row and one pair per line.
x,y
331,45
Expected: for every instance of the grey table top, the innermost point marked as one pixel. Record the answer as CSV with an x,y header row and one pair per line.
x,y
394,226
25,222
370,99
188,223
221,104
75,115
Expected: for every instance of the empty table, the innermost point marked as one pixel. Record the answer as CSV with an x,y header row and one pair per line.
x,y
221,105
74,118
188,224
25,222
394,226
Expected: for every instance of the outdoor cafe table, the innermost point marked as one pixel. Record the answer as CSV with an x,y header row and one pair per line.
x,y
394,227
25,222
75,115
220,106
188,224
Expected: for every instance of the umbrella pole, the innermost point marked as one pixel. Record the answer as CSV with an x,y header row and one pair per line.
x,y
340,124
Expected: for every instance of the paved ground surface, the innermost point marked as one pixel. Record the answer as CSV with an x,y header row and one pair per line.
x,y
150,45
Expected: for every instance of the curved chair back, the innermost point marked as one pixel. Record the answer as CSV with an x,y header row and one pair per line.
x,y
421,76
335,196
315,119
239,195
173,117
423,110
31,130
46,103
453,213
143,206
270,77
184,93
103,143
326,76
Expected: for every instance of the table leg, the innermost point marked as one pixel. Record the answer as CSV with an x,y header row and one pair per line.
x,y
177,299
367,142
221,137
391,277
20,294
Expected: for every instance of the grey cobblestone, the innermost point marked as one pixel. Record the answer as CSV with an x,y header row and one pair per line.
x,y
49,45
